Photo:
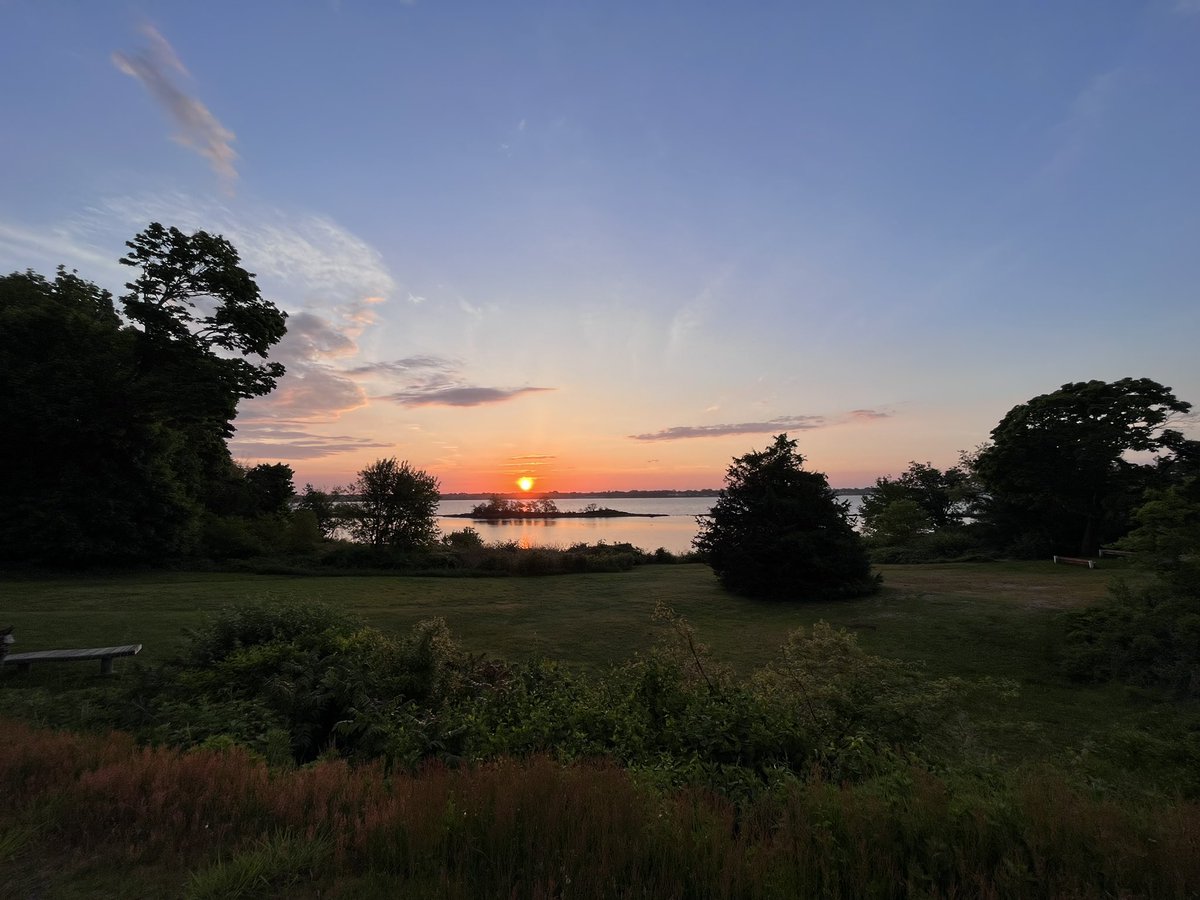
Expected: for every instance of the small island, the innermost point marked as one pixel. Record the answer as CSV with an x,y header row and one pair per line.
x,y
499,508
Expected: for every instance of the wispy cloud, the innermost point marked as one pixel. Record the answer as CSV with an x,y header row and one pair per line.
x,y
324,263
157,67
330,281
771,426
868,415
406,367
311,336
459,395
517,465
308,392
23,247
1084,119
262,441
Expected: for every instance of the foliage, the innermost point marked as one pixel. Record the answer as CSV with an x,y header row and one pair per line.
x,y
779,531
896,523
313,678
1167,535
323,506
944,499
396,506
1149,635
465,553
303,670
193,296
117,431
497,507
467,539
277,861
89,806
88,472
1055,474
951,545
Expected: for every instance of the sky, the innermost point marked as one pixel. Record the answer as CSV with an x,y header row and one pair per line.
x,y
613,245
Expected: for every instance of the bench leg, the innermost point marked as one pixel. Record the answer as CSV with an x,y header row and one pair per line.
x,y
106,665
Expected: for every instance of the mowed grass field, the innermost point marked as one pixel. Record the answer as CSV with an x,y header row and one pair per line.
x,y
970,620
978,618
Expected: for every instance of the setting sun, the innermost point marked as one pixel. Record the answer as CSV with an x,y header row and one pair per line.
x,y
525,483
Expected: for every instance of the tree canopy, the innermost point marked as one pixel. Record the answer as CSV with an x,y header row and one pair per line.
x,y
1056,475
193,296
779,531
117,428
396,505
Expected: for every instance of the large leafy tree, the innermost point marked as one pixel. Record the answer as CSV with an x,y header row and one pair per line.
x,y
193,300
396,506
779,531
84,474
203,332
117,428
1057,476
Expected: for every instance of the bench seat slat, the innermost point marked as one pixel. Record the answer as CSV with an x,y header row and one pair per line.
x,y
91,653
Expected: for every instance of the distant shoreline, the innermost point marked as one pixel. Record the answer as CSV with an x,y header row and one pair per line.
x,y
610,495
582,514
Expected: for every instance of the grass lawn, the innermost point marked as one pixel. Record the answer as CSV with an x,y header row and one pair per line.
x,y
944,614
977,619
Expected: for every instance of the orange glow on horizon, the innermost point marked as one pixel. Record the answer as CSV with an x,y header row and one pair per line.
x,y
525,483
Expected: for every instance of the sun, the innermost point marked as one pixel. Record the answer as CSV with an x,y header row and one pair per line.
x,y
525,483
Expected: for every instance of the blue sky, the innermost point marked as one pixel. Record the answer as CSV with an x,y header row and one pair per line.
x,y
614,245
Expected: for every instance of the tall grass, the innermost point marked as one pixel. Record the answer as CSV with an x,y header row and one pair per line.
x,y
534,828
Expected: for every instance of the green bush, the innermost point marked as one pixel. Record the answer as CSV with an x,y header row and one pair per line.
x,y
307,678
1149,636
948,545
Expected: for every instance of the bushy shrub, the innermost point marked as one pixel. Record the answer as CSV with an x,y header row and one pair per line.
x,y
309,680
950,545
230,537
779,531
1147,636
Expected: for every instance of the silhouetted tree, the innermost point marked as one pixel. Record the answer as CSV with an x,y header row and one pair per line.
x,y
117,432
323,506
397,505
1055,474
85,473
944,497
779,531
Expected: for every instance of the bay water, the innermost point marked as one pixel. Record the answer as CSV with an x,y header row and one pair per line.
x,y
672,530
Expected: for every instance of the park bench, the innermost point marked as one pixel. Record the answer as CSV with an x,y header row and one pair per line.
x,y
1105,551
24,661
1075,561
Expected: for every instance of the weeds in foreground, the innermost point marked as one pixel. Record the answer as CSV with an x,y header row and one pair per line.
x,y
533,827
275,862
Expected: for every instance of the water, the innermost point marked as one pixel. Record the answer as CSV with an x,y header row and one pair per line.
x,y
673,531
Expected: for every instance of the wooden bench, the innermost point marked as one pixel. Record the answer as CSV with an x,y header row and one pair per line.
x,y
1075,561
1104,551
24,661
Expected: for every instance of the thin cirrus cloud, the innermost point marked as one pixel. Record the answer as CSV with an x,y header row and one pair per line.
x,y
686,432
518,465
771,426
262,441
459,395
157,67
868,415
401,368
